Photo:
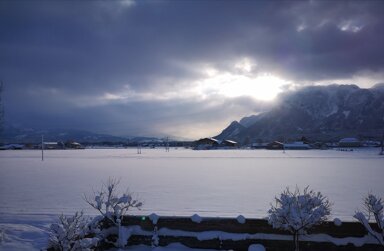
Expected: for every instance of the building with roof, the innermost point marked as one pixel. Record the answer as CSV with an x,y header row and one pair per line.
x,y
349,142
298,145
206,143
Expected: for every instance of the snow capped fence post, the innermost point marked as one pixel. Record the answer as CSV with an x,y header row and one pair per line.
x,y
113,207
155,238
297,212
374,207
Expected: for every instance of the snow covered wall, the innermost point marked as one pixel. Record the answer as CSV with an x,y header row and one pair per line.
x,y
240,233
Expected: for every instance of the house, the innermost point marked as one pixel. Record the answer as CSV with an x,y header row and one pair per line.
x,y
53,145
275,145
206,143
298,145
320,145
228,143
73,145
12,147
259,145
349,142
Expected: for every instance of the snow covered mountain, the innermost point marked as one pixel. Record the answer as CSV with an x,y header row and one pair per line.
x,y
316,112
15,134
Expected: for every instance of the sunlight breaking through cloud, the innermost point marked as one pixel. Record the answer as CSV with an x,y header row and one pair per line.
x,y
262,87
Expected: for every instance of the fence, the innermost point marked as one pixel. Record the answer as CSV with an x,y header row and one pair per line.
x,y
237,234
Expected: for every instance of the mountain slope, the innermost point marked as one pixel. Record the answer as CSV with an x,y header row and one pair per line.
x,y
317,112
232,131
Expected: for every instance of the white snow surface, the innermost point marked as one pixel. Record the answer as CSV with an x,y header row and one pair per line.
x,y
182,182
170,247
256,247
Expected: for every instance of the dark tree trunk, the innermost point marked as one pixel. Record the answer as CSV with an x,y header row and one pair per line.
x,y
296,240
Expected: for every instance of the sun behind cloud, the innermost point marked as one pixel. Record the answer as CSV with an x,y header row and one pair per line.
x,y
264,86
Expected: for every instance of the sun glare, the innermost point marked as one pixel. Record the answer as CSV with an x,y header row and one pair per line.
x,y
263,87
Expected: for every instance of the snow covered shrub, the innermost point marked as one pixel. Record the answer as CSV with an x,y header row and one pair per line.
x,y
70,234
374,207
297,212
113,207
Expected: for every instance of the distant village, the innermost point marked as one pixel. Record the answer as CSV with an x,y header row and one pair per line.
x,y
212,143
344,144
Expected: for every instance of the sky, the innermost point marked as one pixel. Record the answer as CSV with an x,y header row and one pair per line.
x,y
176,68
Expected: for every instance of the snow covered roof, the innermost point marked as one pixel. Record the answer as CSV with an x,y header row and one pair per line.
x,y
50,143
349,140
213,140
297,143
230,141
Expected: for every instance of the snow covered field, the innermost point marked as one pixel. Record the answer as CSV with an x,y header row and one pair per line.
x,y
180,182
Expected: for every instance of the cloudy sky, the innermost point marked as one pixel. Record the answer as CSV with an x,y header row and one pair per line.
x,y
181,68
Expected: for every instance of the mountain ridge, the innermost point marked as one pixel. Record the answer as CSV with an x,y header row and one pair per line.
x,y
316,112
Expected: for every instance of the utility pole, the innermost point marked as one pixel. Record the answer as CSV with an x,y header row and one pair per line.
x,y
167,145
138,148
42,147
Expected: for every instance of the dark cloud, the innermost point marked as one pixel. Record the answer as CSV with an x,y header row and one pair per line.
x,y
59,58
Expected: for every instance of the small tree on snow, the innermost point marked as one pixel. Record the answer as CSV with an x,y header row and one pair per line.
x,y
69,233
374,207
298,212
113,206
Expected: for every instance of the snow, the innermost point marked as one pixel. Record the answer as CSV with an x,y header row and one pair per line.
x,y
256,247
349,140
184,182
223,183
298,211
374,207
154,218
22,237
337,222
170,247
196,218
240,219
124,235
209,235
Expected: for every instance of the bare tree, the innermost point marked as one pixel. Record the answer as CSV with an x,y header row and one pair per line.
x,y
109,204
298,212
373,207
113,207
